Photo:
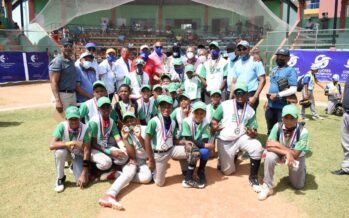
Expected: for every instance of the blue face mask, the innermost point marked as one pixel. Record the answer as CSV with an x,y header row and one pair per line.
x,y
158,51
179,70
144,55
214,54
245,58
231,56
111,58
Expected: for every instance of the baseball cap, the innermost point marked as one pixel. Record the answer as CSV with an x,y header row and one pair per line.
x,y
72,112
66,41
314,67
157,86
165,75
335,77
110,50
215,43
172,87
242,86
244,43
164,98
90,45
144,46
177,61
290,110
102,101
145,87
86,54
189,68
139,61
98,83
216,91
199,105
283,51
128,114
183,95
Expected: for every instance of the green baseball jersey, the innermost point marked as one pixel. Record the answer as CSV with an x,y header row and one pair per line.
x,y
63,134
197,131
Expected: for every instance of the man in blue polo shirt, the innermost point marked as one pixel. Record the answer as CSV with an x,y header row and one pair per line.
x,y
276,97
248,71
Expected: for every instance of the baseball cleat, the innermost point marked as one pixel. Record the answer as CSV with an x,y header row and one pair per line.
x,y
190,184
59,187
340,172
265,192
202,180
110,201
253,181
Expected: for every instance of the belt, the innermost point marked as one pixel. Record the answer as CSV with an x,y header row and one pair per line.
x,y
162,151
67,91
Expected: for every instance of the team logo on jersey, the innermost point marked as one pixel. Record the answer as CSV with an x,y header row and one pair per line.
x,y
321,61
34,58
293,60
347,65
2,59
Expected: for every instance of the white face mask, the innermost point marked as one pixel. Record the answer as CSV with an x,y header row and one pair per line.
x,y
231,55
190,55
202,59
87,64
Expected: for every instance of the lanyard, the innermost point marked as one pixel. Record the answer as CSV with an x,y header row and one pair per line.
x,y
291,139
194,128
145,109
106,133
140,81
124,108
238,120
213,66
165,132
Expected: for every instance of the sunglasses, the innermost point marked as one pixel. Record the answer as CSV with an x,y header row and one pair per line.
x,y
158,46
91,49
242,49
67,46
240,93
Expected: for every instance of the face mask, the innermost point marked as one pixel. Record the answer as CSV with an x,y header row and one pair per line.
x,y
158,51
245,58
280,62
179,71
190,55
111,58
202,59
144,55
125,56
231,55
87,64
214,54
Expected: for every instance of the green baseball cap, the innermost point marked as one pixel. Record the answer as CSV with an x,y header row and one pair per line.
x,y
72,112
157,86
145,87
199,105
139,61
128,114
98,83
164,98
102,101
290,109
172,87
216,91
189,68
177,61
165,75
241,85
215,43
183,95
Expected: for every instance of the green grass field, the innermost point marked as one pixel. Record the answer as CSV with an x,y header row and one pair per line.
x,y
27,172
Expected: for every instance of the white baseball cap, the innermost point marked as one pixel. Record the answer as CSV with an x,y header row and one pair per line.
x,y
335,77
314,67
144,46
244,44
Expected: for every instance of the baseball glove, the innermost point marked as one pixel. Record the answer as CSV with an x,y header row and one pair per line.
x,y
305,103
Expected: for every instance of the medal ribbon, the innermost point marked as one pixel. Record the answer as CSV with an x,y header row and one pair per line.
x,y
124,109
146,111
165,132
195,127
291,139
238,120
104,134
71,131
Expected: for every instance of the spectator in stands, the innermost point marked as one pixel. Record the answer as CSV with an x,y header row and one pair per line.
x,y
149,66
66,33
158,57
190,57
86,76
104,26
324,20
63,77
310,25
107,71
250,72
55,36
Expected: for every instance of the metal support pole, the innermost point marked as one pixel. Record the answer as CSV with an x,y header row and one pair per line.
x,y
334,23
21,11
288,16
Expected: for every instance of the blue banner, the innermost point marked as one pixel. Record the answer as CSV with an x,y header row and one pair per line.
x,y
328,63
37,63
11,67
20,66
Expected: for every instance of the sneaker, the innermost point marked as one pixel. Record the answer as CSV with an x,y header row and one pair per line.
x,y
202,179
265,192
190,184
253,181
111,175
59,187
110,201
